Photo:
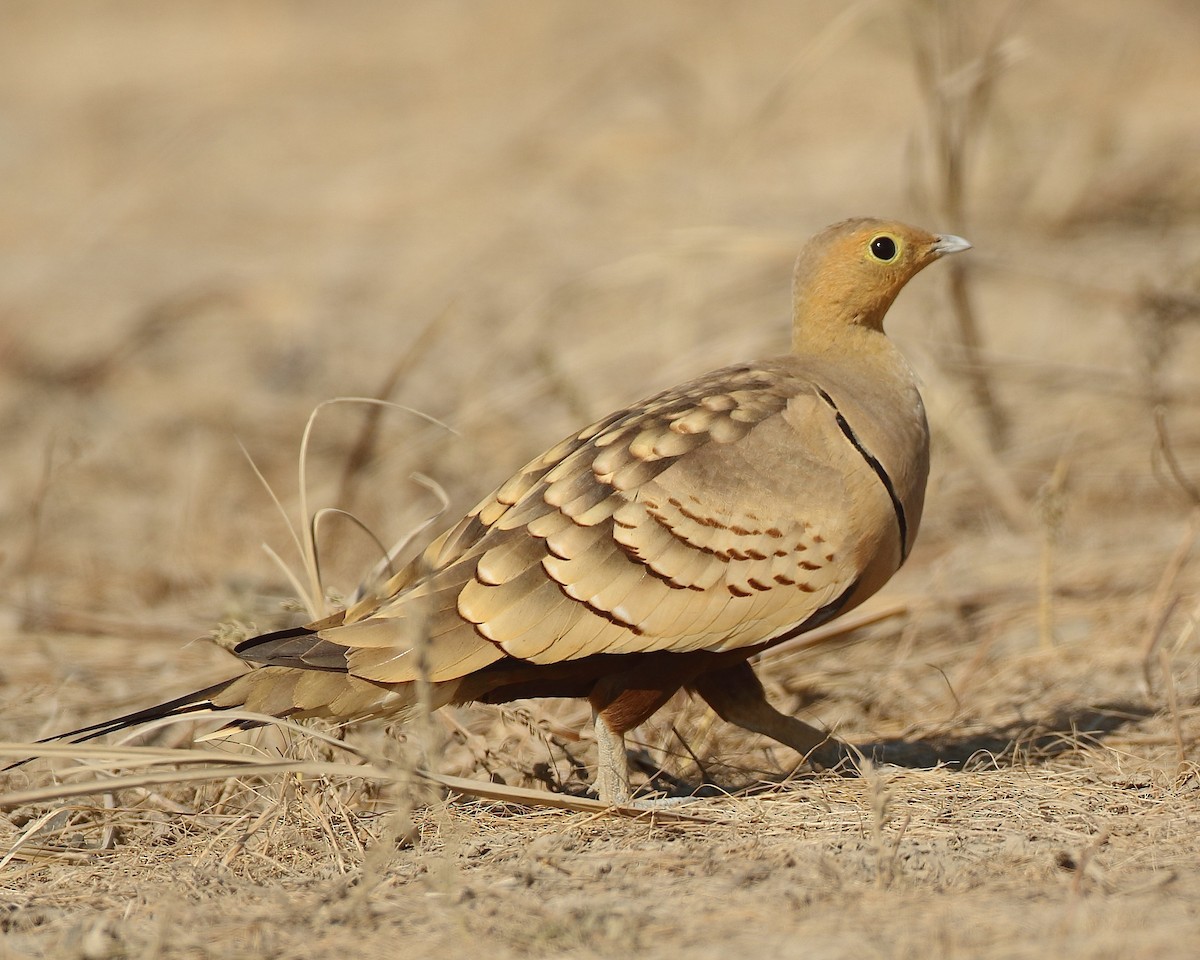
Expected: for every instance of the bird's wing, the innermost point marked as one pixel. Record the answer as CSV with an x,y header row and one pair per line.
x,y
717,515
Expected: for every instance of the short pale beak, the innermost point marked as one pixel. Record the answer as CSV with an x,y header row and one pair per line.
x,y
948,243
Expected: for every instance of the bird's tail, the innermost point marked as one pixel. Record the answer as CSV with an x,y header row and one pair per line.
x,y
197,701
278,691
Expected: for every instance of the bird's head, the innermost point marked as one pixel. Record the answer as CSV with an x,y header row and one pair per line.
x,y
849,273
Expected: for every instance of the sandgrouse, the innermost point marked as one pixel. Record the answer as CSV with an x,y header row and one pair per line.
x,y
657,549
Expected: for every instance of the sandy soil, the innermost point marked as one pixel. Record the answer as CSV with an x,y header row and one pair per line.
x,y
216,215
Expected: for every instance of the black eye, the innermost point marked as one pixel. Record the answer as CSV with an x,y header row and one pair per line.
x,y
884,248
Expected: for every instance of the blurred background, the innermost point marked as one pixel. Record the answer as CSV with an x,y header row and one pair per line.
x,y
514,217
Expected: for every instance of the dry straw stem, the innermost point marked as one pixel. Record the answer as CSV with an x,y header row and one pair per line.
x,y
158,767
364,449
1052,507
1157,317
958,73
826,43
306,543
872,612
1165,599
994,478
886,852
1173,708
1166,596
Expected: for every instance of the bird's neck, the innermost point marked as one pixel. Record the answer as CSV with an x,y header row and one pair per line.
x,y
856,347
826,331
820,313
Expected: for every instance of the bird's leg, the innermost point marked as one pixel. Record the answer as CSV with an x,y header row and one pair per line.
x,y
612,771
737,696
621,702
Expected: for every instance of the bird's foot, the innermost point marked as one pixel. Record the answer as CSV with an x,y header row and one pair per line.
x,y
836,757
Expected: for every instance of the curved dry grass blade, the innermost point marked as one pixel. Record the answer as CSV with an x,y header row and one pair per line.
x,y
148,754
308,600
308,548
865,617
826,41
486,790
64,791
292,579
117,753
31,830
376,572
364,446
386,558
239,766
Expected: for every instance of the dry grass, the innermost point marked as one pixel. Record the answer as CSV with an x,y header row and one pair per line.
x,y
216,216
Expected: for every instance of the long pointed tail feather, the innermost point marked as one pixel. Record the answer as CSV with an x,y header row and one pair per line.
x,y
194,702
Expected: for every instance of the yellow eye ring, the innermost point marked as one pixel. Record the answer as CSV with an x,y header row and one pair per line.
x,y
885,247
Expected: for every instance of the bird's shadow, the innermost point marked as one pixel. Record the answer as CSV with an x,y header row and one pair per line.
x,y
1019,743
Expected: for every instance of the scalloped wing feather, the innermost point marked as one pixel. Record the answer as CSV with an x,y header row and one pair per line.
x,y
714,516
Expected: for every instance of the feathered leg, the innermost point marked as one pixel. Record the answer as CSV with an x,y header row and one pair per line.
x,y
737,696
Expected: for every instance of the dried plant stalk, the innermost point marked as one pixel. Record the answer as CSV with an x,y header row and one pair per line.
x,y
958,75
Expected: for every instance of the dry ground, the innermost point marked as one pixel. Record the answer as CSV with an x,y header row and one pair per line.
x,y
215,215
